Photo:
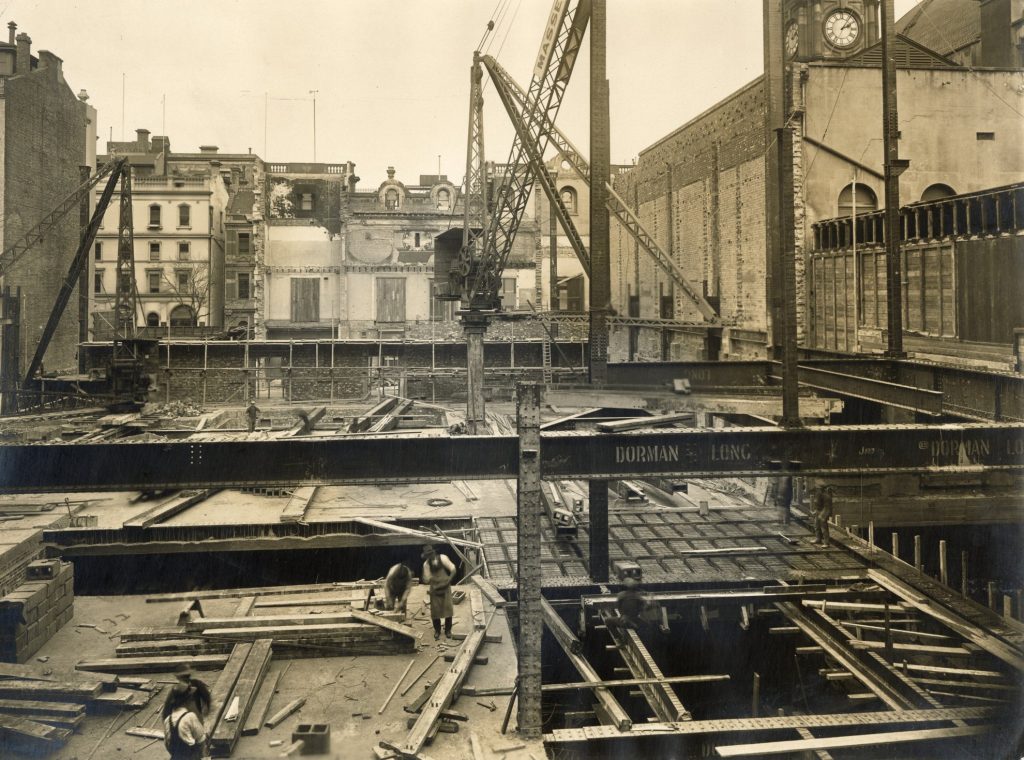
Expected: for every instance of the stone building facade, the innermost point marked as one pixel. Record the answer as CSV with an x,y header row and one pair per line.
x,y
47,134
700,190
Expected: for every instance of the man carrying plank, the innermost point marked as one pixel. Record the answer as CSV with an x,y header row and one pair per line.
x,y
438,572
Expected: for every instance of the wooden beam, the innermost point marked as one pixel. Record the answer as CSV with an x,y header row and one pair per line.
x,y
258,711
274,720
428,538
572,648
264,621
226,733
632,682
225,684
298,503
383,622
637,423
167,509
154,664
231,593
306,422
841,742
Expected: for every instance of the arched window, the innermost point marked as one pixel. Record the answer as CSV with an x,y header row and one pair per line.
x,y
568,196
391,199
183,316
866,200
937,191
444,200
152,319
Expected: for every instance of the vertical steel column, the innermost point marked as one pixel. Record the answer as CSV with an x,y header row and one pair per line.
x,y
475,412
84,215
553,260
599,531
785,259
529,510
600,167
775,117
10,344
893,168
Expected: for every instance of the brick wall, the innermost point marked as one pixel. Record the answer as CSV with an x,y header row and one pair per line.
x,y
44,128
711,219
36,609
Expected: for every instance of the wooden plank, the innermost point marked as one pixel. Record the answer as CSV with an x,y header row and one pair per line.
x,y
489,591
61,709
351,599
225,684
277,718
226,733
630,682
618,426
351,631
244,606
154,664
30,673
265,621
229,593
167,509
363,422
427,538
146,733
50,691
32,734
295,509
841,742
306,423
258,711
401,630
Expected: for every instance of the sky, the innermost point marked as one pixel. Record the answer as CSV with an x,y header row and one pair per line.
x,y
391,79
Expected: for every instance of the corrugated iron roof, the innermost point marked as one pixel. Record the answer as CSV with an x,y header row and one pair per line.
x,y
944,26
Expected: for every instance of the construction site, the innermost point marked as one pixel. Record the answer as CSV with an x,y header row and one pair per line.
x,y
788,528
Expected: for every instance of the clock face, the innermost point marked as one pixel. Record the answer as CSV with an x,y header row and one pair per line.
x,y
792,39
842,28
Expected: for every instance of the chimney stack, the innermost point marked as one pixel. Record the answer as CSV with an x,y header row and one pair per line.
x,y
208,150
12,29
142,138
997,36
48,60
24,60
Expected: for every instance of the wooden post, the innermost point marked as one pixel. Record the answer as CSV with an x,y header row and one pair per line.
x,y
871,535
1007,606
991,595
917,553
943,567
888,634
963,574
896,544
755,699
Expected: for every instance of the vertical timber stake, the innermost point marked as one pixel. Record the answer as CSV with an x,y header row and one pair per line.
x,y
529,508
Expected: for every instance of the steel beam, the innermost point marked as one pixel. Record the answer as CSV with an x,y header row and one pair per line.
x,y
823,450
571,647
529,509
659,695
598,494
909,397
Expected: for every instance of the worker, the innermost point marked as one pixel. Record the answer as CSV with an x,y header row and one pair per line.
x,y
630,604
784,498
252,413
397,587
196,691
438,572
184,732
822,513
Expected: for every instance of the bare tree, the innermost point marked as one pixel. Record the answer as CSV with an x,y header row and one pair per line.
x,y
191,288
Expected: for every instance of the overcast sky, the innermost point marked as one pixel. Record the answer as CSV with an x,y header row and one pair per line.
x,y
392,77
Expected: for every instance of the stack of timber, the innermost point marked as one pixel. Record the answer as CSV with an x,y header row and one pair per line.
x,y
38,712
235,694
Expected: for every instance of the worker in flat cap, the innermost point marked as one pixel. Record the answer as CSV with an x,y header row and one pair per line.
x,y
397,587
822,514
197,693
185,736
438,572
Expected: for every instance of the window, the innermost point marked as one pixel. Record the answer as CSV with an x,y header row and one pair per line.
x,y
986,135
154,252
444,200
508,293
865,200
390,299
182,280
182,316
391,202
126,283
154,215
305,299
152,319
243,284
154,281
97,281
243,243
184,251
184,215
306,201
937,192
568,196
417,240
98,251
440,311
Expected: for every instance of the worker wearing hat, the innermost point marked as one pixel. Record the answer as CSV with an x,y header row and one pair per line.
x,y
195,691
438,572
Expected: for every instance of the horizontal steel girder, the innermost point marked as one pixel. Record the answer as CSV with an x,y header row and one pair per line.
x,y
373,459
868,388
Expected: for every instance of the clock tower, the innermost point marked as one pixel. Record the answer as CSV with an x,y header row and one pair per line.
x,y
815,30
